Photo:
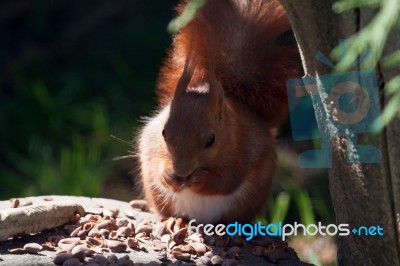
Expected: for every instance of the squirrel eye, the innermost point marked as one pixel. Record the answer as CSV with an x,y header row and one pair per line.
x,y
163,133
210,141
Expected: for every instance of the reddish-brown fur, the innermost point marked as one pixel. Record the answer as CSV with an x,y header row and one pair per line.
x,y
253,69
224,78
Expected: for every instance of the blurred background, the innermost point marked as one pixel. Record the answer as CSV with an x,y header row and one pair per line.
x,y
72,74
75,73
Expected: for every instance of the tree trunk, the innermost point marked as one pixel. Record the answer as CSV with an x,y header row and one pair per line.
x,y
362,194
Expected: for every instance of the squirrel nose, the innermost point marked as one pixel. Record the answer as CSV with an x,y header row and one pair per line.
x,y
182,171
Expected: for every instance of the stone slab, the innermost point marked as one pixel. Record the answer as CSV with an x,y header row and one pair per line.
x,y
138,257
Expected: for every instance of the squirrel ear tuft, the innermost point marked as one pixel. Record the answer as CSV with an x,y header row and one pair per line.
x,y
187,74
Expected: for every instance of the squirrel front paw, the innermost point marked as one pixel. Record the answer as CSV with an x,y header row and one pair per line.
x,y
172,181
177,183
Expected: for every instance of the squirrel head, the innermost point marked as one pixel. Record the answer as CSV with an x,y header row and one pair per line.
x,y
193,131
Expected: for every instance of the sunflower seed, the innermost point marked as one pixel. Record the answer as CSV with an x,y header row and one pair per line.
x,y
234,253
200,248
258,251
216,260
181,256
180,235
139,204
61,258
116,246
68,243
14,203
33,247
146,229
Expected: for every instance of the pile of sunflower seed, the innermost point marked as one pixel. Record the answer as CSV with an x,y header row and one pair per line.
x,y
99,233
94,238
172,240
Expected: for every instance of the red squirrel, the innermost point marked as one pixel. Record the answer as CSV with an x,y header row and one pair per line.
x,y
209,153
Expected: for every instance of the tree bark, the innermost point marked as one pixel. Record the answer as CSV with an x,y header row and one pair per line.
x,y
362,194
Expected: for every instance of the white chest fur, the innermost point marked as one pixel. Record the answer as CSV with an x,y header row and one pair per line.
x,y
205,209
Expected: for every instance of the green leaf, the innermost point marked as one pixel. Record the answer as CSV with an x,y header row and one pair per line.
x,y
345,5
305,207
391,109
187,15
281,207
393,86
373,37
392,60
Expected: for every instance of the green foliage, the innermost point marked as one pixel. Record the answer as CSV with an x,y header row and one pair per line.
x,y
75,73
341,6
187,15
302,200
279,207
73,165
373,37
293,202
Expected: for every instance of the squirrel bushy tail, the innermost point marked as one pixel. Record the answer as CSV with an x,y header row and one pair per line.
x,y
252,59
